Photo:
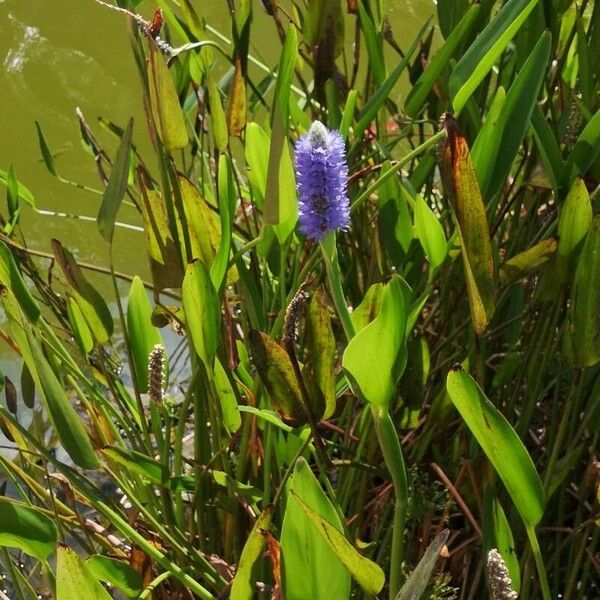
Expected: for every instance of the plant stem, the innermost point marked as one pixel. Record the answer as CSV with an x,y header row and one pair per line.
x,y
392,454
434,139
332,266
539,561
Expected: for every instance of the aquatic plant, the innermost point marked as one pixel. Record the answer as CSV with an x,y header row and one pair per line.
x,y
364,416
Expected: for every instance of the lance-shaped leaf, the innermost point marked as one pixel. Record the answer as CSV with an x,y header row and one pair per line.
x,y
376,356
430,233
243,586
419,92
583,317
91,303
166,110
138,463
202,311
585,152
528,261
165,262
64,418
116,572
368,574
514,120
320,360
227,200
500,443
116,188
81,331
276,372
11,277
218,119
143,336
203,223
236,105
477,61
465,198
575,219
311,569
227,399
497,534
279,126
419,579
27,529
74,580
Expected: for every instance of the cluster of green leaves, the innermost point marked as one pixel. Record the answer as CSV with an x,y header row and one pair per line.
x,y
473,266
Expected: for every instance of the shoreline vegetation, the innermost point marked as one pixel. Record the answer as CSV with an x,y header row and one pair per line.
x,y
386,379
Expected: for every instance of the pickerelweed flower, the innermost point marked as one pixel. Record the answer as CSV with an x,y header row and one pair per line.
x,y
322,179
498,577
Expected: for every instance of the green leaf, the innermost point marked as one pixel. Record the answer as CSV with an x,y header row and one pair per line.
x,y
515,116
27,529
528,261
500,443
395,222
374,45
81,331
497,534
430,233
348,114
583,317
204,225
227,199
575,218
257,159
11,277
116,188
320,345
74,579
22,191
419,92
142,335
218,119
478,60
276,372
164,103
585,152
243,586
310,568
229,408
369,307
460,183
273,215
548,147
376,356
136,462
116,572
418,580
165,262
65,420
202,311
95,311
46,154
368,574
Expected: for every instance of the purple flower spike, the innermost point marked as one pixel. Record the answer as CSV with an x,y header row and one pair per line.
x,y
322,179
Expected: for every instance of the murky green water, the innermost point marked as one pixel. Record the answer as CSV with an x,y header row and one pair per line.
x,y
56,55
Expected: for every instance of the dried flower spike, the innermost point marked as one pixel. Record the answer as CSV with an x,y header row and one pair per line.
x,y
498,577
156,374
322,178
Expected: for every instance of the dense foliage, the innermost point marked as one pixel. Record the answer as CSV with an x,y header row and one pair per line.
x,y
363,412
